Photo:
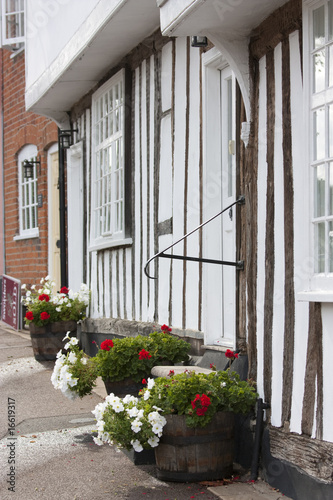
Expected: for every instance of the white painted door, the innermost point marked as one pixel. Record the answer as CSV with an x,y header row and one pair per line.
x,y
54,225
228,167
219,295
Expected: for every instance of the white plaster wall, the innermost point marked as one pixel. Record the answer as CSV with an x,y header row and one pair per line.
x,y
50,25
300,248
262,189
279,271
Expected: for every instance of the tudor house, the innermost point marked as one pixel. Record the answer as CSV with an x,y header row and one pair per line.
x,y
168,131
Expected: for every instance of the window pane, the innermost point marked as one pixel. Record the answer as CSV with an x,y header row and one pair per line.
x,y
330,73
331,188
320,248
319,134
330,243
330,127
319,71
319,194
330,20
318,27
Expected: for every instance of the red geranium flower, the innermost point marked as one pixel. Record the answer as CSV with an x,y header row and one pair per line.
x,y
64,289
29,316
44,315
106,344
171,372
44,296
144,381
231,354
143,354
200,404
165,328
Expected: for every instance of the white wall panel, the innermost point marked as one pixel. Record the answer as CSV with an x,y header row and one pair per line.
x,y
178,178
300,247
193,203
262,190
279,272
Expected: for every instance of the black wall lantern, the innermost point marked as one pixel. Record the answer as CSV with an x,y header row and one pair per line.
x,y
199,41
66,138
28,166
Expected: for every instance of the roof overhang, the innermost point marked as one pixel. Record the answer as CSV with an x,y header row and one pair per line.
x,y
227,23
111,31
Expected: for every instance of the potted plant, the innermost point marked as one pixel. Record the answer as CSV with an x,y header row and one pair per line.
x,y
51,314
123,363
73,373
187,418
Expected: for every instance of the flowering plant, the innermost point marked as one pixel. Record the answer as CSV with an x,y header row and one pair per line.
x,y
134,357
73,373
129,422
44,306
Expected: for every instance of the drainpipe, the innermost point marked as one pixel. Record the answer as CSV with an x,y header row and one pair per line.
x,y
2,182
261,406
62,215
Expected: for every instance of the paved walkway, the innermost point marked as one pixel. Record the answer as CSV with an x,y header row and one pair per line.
x,y
51,454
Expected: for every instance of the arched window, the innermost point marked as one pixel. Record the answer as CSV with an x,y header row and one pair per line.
x,y
28,223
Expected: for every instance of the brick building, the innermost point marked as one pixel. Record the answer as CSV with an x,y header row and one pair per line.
x,y
30,205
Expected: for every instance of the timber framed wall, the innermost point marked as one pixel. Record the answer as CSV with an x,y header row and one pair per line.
x,y
166,192
285,336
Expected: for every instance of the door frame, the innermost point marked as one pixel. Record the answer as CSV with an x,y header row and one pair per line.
x,y
53,149
213,62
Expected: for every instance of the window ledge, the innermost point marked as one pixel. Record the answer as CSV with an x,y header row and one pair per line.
x,y
32,234
110,244
315,296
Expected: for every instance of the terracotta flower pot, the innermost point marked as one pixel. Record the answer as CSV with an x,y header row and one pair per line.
x,y
196,454
47,340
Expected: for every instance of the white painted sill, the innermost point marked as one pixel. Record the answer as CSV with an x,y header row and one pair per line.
x,y
111,244
315,296
27,236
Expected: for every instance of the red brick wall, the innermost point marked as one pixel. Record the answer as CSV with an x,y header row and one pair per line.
x,y
25,259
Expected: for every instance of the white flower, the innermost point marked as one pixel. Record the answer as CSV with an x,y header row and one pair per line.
x,y
72,357
132,412
98,441
150,383
136,425
153,441
67,336
223,384
33,287
73,341
84,361
28,293
118,407
157,429
69,304
24,286
129,398
137,445
58,309
146,395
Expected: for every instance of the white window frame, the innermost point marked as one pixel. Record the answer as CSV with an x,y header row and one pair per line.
x,y
108,231
320,285
10,9
29,152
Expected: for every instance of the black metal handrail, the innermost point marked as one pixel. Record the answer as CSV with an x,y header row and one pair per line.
x,y
238,264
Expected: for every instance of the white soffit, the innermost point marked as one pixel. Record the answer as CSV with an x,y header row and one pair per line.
x,y
232,17
90,54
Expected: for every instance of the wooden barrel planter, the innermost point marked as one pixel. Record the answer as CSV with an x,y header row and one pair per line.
x,y
123,387
47,340
196,454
